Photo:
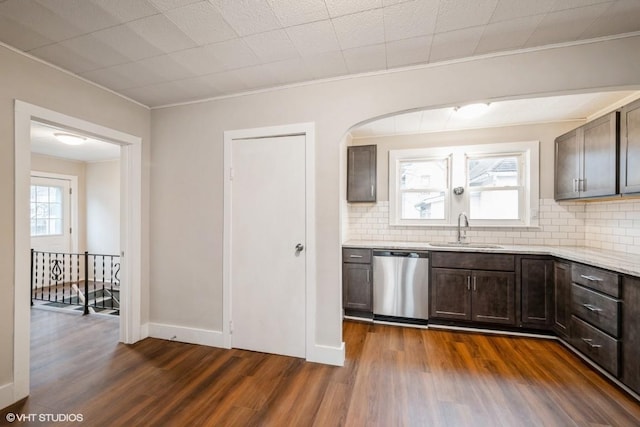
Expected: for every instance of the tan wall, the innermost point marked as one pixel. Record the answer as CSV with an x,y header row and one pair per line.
x,y
41,163
103,207
33,82
187,158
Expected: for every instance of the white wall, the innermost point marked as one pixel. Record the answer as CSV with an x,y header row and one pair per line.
x,y
187,157
31,81
103,207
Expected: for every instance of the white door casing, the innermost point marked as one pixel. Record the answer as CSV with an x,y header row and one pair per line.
x,y
268,223
308,131
130,232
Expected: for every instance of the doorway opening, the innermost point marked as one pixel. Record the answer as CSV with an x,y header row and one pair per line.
x,y
130,227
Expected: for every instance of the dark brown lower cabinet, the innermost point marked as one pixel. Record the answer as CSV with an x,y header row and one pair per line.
x,y
450,296
479,296
536,281
562,298
357,287
631,333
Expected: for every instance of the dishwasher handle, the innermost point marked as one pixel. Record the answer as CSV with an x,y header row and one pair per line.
x,y
400,254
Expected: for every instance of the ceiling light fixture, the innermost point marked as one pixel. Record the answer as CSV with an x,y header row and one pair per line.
x,y
70,139
470,111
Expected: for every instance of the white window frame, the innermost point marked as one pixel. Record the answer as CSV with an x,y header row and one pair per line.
x,y
521,188
454,204
395,193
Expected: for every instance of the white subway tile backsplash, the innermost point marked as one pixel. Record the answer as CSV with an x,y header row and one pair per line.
x,y
610,225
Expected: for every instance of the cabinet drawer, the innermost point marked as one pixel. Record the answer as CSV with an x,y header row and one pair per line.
x,y
595,344
473,261
359,256
601,311
595,278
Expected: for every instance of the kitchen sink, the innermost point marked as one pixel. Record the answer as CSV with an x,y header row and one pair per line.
x,y
465,245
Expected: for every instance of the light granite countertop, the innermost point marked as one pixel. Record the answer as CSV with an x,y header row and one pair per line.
x,y
615,261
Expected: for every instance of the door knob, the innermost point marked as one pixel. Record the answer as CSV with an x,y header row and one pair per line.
x,y
299,247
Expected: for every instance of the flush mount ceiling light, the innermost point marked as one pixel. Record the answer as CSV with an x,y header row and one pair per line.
x,y
470,111
70,139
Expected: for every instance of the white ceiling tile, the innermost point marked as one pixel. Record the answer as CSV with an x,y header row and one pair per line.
x,y
272,46
435,120
83,14
408,122
290,71
457,14
621,17
232,54
367,58
226,82
296,12
126,10
39,19
161,33
124,76
571,4
64,57
198,61
392,2
341,7
507,35
566,25
510,9
172,92
202,22
93,49
165,5
360,29
19,36
168,67
313,38
408,51
454,44
127,42
410,19
328,64
256,77
248,16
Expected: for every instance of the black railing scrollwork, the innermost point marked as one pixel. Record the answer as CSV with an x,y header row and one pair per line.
x,y
89,281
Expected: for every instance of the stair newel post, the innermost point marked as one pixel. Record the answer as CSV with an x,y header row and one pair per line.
x,y
86,282
31,278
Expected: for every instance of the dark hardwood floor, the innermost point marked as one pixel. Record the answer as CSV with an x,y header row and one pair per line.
x,y
392,377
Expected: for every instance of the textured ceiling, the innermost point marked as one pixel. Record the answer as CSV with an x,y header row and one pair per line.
x,y
160,52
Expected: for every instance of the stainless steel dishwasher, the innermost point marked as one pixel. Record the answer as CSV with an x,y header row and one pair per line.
x,y
401,284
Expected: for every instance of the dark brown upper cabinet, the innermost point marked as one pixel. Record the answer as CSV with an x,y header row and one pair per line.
x,y
361,173
630,149
586,160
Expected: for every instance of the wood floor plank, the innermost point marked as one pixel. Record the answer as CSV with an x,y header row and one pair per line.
x,y
392,376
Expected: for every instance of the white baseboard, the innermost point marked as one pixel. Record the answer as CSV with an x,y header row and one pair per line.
x,y
144,331
327,355
6,395
185,334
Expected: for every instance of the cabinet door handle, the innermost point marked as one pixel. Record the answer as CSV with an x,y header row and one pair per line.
x,y
591,307
575,185
591,278
468,283
590,343
475,282
355,256
582,185
371,190
368,277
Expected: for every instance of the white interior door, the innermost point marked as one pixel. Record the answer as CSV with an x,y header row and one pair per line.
x,y
268,261
50,219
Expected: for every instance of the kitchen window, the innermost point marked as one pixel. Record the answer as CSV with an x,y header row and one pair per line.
x,y
499,184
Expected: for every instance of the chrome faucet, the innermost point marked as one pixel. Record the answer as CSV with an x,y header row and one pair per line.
x,y
462,234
